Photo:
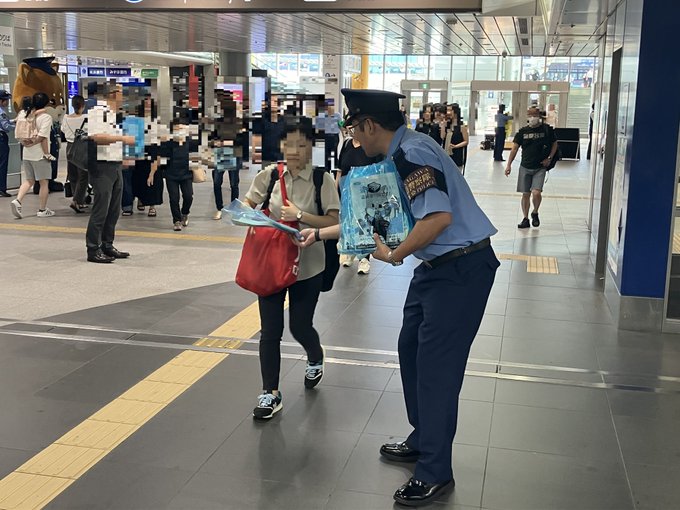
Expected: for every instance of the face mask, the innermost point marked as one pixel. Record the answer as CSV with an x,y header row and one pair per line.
x,y
534,121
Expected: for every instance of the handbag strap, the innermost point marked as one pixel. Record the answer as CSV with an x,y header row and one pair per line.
x,y
282,183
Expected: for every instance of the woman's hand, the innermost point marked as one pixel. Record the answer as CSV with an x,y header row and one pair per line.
x,y
308,238
289,212
149,181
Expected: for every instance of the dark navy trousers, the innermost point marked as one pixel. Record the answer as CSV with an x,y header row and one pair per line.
x,y
443,310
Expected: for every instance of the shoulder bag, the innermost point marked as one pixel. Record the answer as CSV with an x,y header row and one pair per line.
x,y
269,260
78,152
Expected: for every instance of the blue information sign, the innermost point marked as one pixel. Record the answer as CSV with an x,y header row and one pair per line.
x,y
118,72
96,71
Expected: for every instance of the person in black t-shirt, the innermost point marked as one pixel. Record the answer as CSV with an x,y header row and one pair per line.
x,y
539,146
352,155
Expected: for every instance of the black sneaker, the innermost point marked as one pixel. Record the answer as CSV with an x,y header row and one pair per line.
x,y
314,372
534,219
524,223
268,405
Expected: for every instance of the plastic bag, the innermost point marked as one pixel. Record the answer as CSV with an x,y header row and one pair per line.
x,y
373,200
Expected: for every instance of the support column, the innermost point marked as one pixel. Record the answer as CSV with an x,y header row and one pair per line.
x,y
644,181
235,64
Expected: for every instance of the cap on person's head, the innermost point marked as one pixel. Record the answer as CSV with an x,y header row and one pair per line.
x,y
5,95
367,102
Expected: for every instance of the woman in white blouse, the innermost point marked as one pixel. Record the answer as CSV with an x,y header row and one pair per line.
x,y
76,176
303,295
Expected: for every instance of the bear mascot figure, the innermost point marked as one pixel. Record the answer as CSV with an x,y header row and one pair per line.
x,y
39,74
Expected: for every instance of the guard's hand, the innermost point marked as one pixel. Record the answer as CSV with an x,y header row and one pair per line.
x,y
289,212
508,169
381,249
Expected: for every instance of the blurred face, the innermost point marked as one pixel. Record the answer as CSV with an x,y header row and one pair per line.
x,y
427,116
296,149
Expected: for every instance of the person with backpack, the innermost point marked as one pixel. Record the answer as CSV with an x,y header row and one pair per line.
x,y
34,134
70,126
539,148
303,295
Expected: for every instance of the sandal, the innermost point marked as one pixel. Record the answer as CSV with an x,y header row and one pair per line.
x,y
76,208
152,212
140,206
126,213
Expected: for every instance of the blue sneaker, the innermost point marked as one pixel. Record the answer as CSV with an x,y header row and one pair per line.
x,y
268,405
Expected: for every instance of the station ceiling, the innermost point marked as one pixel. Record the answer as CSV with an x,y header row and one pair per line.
x,y
573,28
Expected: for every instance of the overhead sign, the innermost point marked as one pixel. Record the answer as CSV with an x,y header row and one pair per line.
x,y
145,73
118,72
97,72
6,41
247,5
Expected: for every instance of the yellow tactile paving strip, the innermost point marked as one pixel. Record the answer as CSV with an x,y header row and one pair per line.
x,y
545,265
45,476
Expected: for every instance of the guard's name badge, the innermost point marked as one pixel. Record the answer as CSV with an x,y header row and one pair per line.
x,y
419,181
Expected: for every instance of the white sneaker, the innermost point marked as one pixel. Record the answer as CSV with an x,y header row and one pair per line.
x,y
45,214
217,215
364,266
16,208
346,260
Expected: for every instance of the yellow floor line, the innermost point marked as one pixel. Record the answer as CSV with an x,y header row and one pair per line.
x,y
41,479
123,233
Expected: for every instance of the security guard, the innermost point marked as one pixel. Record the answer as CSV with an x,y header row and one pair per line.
x,y
448,292
6,126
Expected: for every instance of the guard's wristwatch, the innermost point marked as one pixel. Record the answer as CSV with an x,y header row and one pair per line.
x,y
392,261
299,215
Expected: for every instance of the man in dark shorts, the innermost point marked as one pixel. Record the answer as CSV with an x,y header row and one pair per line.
x,y
539,146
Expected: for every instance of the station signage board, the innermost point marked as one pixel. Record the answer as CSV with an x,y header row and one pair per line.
x,y
118,72
6,41
96,72
248,5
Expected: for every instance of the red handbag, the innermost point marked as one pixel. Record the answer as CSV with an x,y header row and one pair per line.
x,y
269,259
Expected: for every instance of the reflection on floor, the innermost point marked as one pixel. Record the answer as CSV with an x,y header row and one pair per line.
x,y
131,386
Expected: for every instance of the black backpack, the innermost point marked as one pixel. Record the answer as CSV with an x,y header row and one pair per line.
x,y
558,153
330,246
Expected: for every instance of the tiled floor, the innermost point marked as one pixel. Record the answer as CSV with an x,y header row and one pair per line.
x,y
560,410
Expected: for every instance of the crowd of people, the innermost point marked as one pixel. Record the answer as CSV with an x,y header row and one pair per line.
x,y
444,123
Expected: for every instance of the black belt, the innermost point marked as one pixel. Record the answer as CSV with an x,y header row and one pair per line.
x,y
443,259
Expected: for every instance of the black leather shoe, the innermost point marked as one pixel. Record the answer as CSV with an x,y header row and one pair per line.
x,y
417,493
399,452
115,253
99,257
4,194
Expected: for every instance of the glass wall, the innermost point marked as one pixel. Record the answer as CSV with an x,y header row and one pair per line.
x,y
462,68
486,68
417,67
440,68
386,72
376,74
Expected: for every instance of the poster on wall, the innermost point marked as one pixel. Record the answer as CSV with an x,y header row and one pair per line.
x,y
6,41
616,209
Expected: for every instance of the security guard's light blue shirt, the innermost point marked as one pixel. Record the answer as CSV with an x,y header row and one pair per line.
x,y
469,224
501,119
5,125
